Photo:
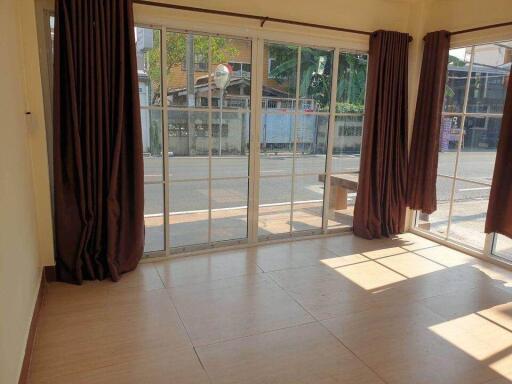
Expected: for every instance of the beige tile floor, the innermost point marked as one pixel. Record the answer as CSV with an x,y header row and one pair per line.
x,y
333,310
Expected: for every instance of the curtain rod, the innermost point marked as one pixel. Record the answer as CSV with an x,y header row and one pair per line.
x,y
262,19
481,28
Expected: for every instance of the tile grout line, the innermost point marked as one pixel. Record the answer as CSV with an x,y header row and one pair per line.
x,y
323,326
218,342
295,300
354,354
168,294
202,364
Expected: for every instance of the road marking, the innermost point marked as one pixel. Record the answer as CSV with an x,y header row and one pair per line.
x,y
474,189
231,208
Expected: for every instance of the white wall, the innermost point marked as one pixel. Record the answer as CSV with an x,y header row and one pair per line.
x,y
20,266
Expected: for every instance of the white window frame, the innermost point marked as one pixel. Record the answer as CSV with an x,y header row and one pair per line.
x,y
487,253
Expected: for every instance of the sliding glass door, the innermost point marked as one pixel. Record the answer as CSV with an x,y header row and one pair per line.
x,y
310,138
474,98
196,136
197,128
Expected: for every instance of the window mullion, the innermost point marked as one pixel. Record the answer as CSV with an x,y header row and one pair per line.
x,y
330,139
294,151
459,144
165,136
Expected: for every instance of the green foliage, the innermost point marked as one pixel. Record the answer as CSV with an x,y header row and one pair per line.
x,y
351,79
349,108
222,51
455,61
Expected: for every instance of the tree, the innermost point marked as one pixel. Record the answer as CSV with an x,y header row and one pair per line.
x,y
316,84
222,50
352,81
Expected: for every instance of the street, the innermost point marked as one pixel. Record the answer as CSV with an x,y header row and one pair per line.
x,y
193,194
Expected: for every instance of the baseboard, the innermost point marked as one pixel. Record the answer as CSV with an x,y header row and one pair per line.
x,y
50,274
32,331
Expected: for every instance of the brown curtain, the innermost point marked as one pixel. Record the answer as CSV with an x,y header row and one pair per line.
x,y
499,212
380,204
99,203
422,172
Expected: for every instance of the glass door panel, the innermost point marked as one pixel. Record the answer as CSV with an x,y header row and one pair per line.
x,y
229,209
503,247
209,137
188,217
347,138
154,217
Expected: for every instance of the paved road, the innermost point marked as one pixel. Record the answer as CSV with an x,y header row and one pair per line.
x,y
193,195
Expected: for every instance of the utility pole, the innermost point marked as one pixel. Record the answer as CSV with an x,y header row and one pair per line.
x,y
191,102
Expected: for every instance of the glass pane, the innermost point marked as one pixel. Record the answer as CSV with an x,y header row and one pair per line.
x,y
276,148
448,144
342,198
147,50
437,222
458,66
311,149
151,124
229,209
231,73
503,247
279,76
230,148
308,202
489,78
315,79
351,89
187,68
188,145
346,152
188,218
468,214
154,217
275,206
478,148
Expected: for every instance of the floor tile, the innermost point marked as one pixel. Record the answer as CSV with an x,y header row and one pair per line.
x,y
157,365
461,303
293,254
108,334
208,267
410,265
235,307
303,354
401,345
322,291
370,275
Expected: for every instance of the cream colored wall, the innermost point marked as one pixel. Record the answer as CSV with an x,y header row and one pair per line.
x,y
357,14
20,265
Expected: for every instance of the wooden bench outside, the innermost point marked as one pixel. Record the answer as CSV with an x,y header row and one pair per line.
x,y
341,183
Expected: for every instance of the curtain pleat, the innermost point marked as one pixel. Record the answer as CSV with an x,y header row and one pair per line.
x,y
98,165
380,204
499,211
423,158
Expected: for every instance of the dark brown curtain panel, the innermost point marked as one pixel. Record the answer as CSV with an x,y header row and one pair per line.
x,y
499,212
99,202
380,204
422,172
